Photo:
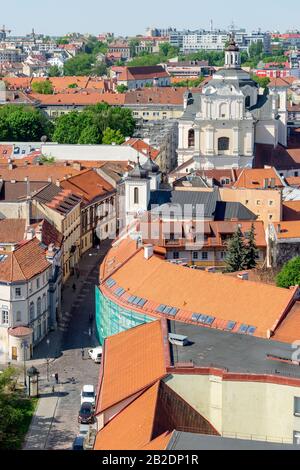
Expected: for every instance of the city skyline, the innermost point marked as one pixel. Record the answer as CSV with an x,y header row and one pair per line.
x,y
63,18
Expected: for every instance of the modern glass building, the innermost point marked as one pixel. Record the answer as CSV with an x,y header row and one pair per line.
x,y
111,318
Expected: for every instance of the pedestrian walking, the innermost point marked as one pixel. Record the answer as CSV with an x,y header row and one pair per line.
x,y
74,287
90,331
82,353
56,377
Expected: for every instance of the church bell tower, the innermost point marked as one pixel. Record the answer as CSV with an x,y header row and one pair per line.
x,y
232,54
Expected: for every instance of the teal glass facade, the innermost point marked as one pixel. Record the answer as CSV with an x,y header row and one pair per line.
x,y
111,318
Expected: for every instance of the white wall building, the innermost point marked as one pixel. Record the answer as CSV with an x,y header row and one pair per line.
x,y
221,125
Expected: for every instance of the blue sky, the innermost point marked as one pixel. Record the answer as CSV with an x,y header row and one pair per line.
x,y
133,16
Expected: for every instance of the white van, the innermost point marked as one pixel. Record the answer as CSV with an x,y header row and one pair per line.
x,y
88,394
96,354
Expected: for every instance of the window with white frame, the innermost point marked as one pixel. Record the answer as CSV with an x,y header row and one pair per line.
x,y
4,317
38,283
195,254
39,306
204,255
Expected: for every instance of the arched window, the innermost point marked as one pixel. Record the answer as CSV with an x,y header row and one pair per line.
x,y
136,195
223,144
39,306
191,138
247,101
31,311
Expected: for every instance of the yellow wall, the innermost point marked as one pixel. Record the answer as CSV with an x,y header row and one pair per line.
x,y
259,202
260,411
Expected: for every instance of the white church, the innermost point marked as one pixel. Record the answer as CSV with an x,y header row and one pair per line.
x,y
221,125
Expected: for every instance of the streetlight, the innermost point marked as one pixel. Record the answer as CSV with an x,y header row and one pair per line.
x,y
48,342
24,346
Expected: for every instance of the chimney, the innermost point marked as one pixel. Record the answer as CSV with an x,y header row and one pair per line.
x,y
148,251
10,166
244,276
57,182
266,183
77,166
29,234
39,233
49,179
278,228
50,252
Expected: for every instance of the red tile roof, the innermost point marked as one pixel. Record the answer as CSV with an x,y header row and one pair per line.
x,y
252,303
255,178
20,331
24,263
142,147
132,361
88,184
12,230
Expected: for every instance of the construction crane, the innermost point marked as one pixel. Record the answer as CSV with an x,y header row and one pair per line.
x,y
3,32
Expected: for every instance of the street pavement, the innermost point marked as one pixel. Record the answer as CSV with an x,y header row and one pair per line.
x,y
55,425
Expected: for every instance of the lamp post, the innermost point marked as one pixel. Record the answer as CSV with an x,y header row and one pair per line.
x,y
48,342
24,346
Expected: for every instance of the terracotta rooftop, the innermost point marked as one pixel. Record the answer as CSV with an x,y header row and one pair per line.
x,y
12,230
255,178
288,229
132,428
143,147
160,96
194,291
85,98
38,173
24,263
279,82
133,360
291,210
141,73
88,185
20,331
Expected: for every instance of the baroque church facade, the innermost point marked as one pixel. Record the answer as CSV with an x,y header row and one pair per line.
x,y
221,125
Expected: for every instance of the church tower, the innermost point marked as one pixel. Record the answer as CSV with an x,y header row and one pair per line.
x,y
232,55
137,193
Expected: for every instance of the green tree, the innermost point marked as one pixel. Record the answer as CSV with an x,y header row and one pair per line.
x,y
68,128
80,65
16,412
63,41
251,251
44,87
235,255
122,88
90,135
262,81
54,71
23,123
133,43
111,136
89,126
290,274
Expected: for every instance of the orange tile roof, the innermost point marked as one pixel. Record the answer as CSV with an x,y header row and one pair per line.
x,y
120,252
12,230
289,229
159,443
288,330
38,172
293,180
132,428
291,210
24,263
132,361
6,151
157,95
279,82
85,98
255,178
252,303
143,147
88,185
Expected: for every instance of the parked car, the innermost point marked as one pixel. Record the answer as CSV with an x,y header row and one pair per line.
x,y
78,443
86,413
96,354
88,394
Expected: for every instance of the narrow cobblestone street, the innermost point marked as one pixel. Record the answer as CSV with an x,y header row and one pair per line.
x,y
55,424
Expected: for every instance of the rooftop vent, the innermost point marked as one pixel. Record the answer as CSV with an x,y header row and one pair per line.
x,y
178,340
